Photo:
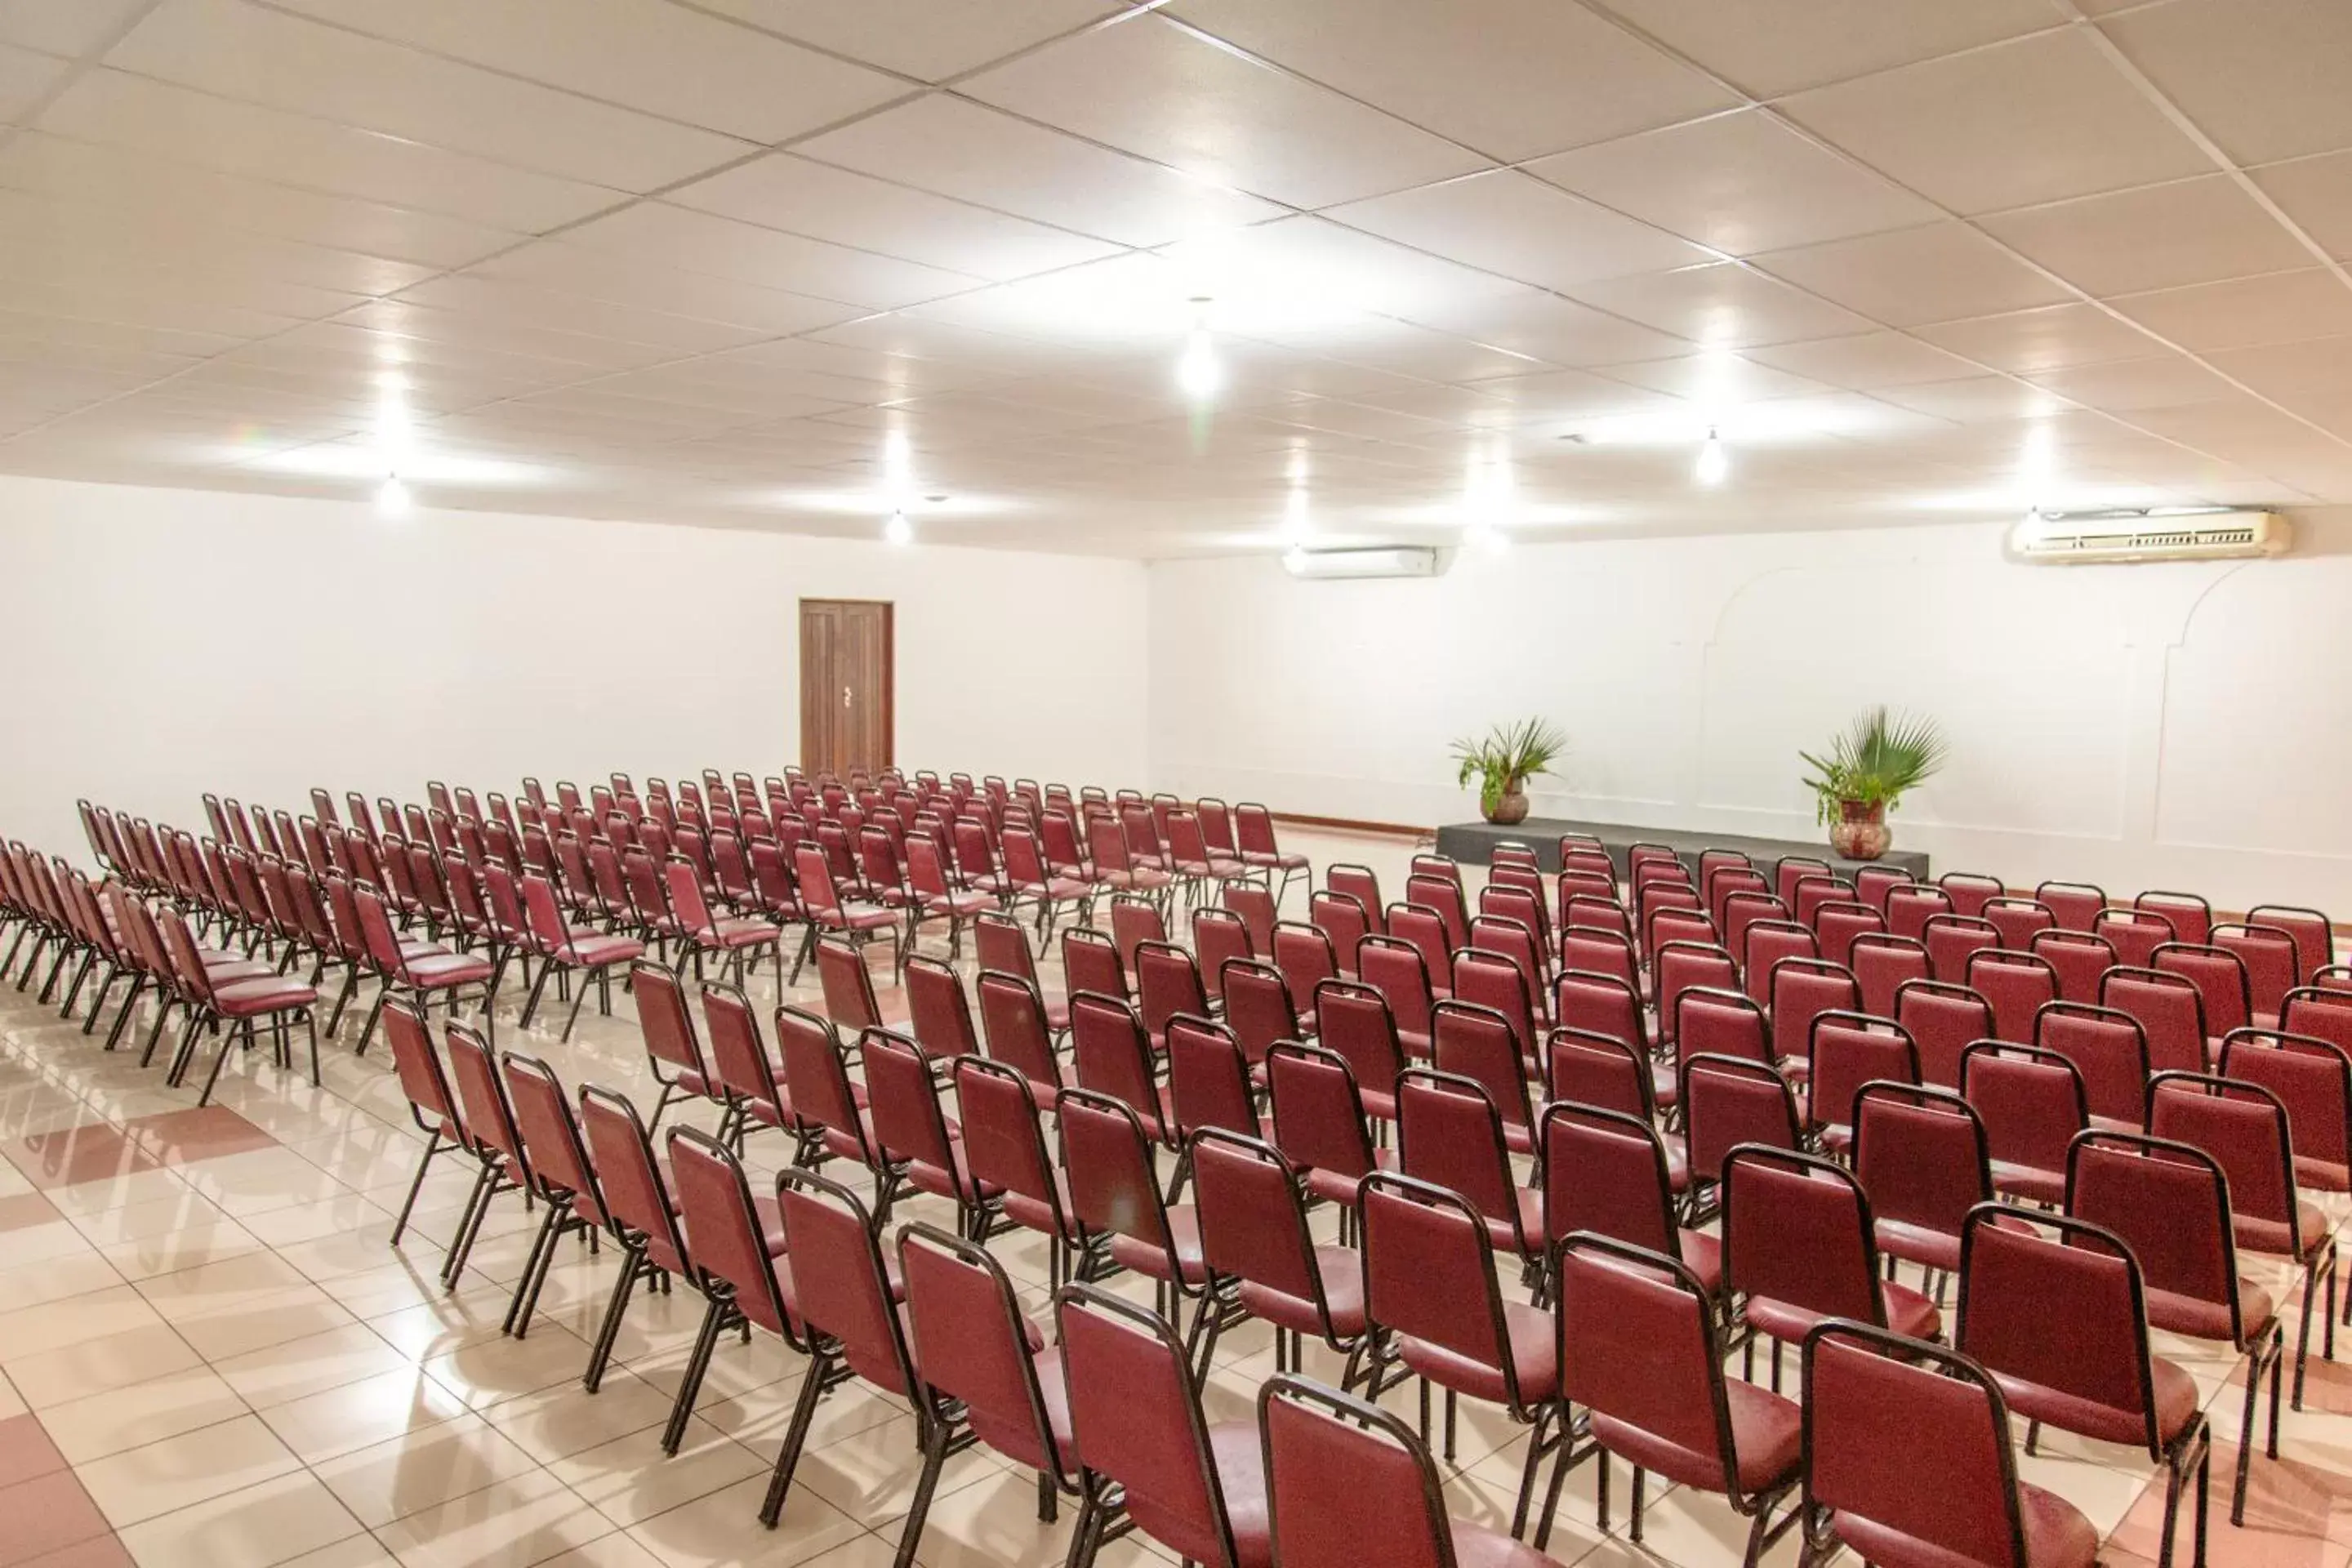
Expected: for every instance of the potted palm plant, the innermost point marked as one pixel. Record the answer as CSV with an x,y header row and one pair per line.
x,y
1867,770
1503,761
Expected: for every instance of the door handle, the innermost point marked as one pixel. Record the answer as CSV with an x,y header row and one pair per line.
x,y
845,696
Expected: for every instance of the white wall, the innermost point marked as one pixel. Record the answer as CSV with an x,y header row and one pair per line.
x,y
2141,726
157,643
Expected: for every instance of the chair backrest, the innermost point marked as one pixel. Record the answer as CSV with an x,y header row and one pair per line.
x,y
1952,940
1680,966
1496,983
1850,1050
1136,1419
1728,1102
730,1247
1519,895
2313,932
2320,1012
1113,1189
1970,890
846,984
910,1127
1911,905
1711,1022
1166,983
2170,1203
1943,1021
1090,961
1253,1217
1796,1229
1598,1068
2019,920
1359,883
2270,958
1799,991
1218,934
1599,1005
2108,1048
1764,944
1638,1348
967,1331
1353,1022
1306,957
1258,1009
422,1078
1317,1111
1399,972
2220,978
1342,920
1430,1274
2135,934
2032,1102
1602,950
937,1010
817,1077
550,1136
1208,1079
1424,928
2244,1128
1112,1055
842,1288
1341,1472
1478,1043
998,943
1606,1173
1880,963
662,1018
1012,1016
1134,920
2170,1009
1003,1142
2077,959
1921,1155
2016,985
489,1115
1884,1414
2018,1286
2076,905
1255,906
1839,926
2192,917
1450,1133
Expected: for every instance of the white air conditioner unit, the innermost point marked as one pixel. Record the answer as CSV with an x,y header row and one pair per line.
x,y
1397,561
2111,538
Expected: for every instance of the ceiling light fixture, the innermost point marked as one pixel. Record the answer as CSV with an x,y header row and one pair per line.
x,y
1197,373
1714,460
1295,525
898,530
392,497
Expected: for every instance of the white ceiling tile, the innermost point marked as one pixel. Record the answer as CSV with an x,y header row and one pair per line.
x,y
791,194
659,235
1404,349
37,231
1566,395
919,38
1159,90
1311,263
240,50
2048,117
2316,193
1505,222
1976,399
1548,328
68,28
2265,79
1773,46
547,310
183,127
2051,338
642,54
259,299
2295,374
552,264
1725,305
1737,182
24,76
88,172
964,150
1935,273
1510,77
1715,378
2194,231
2124,385
2245,311
1866,361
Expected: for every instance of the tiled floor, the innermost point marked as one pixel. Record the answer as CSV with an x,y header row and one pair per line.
x,y
212,1357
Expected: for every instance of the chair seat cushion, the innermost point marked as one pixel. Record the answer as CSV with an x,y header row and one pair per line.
x,y
1341,1270
1339,1186
1529,1237
739,933
1240,1458
597,952
2258,1235
1535,1358
1908,1312
2030,1182
2322,1175
862,917
1280,859
1148,1257
1767,1434
2176,1407
1702,1254
244,998
2205,1319
2056,1536
959,904
439,970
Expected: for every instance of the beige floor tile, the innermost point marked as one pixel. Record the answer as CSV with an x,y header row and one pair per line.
x,y
147,1411
12,1403
352,1552
260,1180
476,1312
724,1528
75,1274
199,1243
484,1374
511,1524
567,1419
36,1246
211,1288
101,1365
288,1519
312,1364
289,1227
870,1475
610,1552
73,1320
320,1426
178,1472
629,1479
422,1469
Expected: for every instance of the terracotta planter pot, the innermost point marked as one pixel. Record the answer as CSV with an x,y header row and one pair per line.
x,y
1861,832
1511,808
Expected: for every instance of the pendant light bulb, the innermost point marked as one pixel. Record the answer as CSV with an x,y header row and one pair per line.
x,y
898,530
392,497
1197,372
1714,461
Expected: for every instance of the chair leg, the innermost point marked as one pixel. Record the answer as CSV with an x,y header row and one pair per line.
x,y
573,1018
244,1031
469,1227
608,1333
432,1147
129,1005
534,1269
705,1341
1528,1471
813,1388
530,1002
935,1455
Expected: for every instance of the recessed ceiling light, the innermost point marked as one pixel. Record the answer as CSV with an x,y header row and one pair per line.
x,y
898,530
1714,461
1197,372
392,498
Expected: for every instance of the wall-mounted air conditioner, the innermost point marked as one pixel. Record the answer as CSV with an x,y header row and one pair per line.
x,y
1399,561
2114,538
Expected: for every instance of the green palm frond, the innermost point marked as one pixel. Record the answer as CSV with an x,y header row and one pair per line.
x,y
1879,758
1509,755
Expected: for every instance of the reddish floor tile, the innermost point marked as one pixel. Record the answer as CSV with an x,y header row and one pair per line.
x,y
180,1137
39,1519
27,1210
93,1151
2298,1515
26,1451
98,1552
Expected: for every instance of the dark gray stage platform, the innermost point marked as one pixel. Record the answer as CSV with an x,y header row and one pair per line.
x,y
1472,842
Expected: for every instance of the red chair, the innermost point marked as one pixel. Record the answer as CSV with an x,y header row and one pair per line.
x,y
2016,985
1114,1198
2170,1203
2109,1051
1429,1283
1484,1046
855,921
1883,1413
1812,894
2076,905
915,1136
558,1172
2313,932
2033,1103
1602,1071
2271,960
1970,891
1450,1133
933,895
1423,930
938,1014
2019,920
420,973
563,950
1208,1080
1882,962
2079,960
1344,925
1398,971
1872,883
1258,1008
748,1075
1019,1033
1254,905
1602,951
2135,934
1218,935
1921,1155
978,1379
2192,917
1167,983
1306,957
1254,829
1359,883
1497,936
490,1126
1678,966
1255,1239
1112,1055
435,1108
1851,1050
2094,1375
2320,1012
1608,1173
1743,909
847,985
2219,976
1318,1116
1148,1452
840,1122
1134,920
999,943
1839,926
1050,888
1004,1146
1798,1243
1639,1351
1090,961
1116,866
1708,1022
2170,1009
1493,983
1788,871
1193,859
1353,1022
1767,943
1801,989
2244,1128
1600,1005
1943,1021
1951,940
1912,905
1728,1102
242,1005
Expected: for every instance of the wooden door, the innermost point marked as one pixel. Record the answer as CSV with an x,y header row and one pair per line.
x,y
846,720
